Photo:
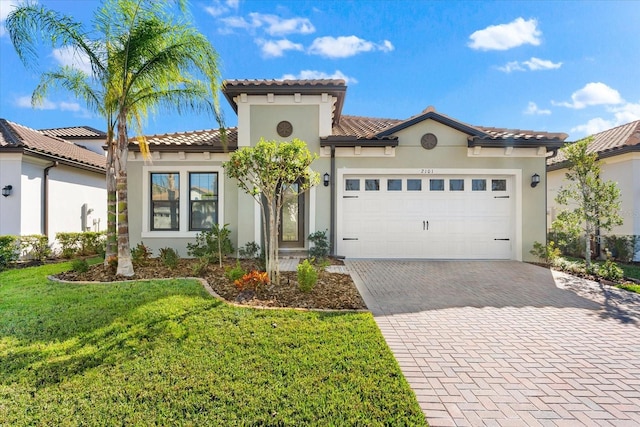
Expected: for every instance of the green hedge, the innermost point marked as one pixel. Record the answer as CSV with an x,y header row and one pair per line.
x,y
87,243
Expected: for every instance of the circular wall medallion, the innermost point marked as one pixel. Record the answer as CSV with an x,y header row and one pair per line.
x,y
428,141
284,129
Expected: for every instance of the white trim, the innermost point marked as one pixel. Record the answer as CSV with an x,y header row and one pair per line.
x,y
183,172
312,212
516,174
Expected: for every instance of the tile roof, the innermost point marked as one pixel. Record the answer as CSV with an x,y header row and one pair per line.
x,y
211,139
519,134
75,132
362,127
608,143
333,87
15,137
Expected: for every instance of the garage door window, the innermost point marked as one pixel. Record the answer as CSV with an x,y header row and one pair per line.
x,y
456,185
394,185
436,184
371,185
478,185
414,185
498,185
352,185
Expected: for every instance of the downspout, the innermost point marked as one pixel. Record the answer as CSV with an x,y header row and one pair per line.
x,y
332,223
45,199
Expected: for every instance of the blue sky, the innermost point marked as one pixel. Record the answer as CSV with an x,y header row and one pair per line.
x,y
561,66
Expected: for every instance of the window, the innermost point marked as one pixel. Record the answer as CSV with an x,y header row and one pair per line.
x,y
165,201
371,185
394,185
414,185
498,185
352,185
436,184
456,185
203,200
478,185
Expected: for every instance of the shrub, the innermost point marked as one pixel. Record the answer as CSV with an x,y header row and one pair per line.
x,y
140,255
200,268
9,250
320,249
546,253
235,273
250,250
69,244
169,257
91,242
35,246
307,276
622,248
80,265
252,281
609,270
213,244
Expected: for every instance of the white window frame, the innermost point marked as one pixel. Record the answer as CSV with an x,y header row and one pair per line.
x,y
183,172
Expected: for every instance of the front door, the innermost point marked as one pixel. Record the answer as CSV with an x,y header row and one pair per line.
x,y
292,218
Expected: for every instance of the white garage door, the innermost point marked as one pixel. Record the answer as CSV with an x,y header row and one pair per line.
x,y
438,217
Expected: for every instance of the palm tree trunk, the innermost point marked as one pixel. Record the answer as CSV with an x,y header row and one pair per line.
x,y
112,240
125,266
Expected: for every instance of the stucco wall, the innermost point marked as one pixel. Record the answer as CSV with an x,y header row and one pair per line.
x,y
31,199
10,212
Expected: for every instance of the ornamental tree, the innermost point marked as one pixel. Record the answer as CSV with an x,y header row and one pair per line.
x,y
592,203
265,172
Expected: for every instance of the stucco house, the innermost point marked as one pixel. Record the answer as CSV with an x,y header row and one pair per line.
x,y
619,152
430,186
49,184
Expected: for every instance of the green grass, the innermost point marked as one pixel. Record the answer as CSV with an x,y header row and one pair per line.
x,y
166,353
631,270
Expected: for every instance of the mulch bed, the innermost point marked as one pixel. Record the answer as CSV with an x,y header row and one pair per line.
x,y
333,291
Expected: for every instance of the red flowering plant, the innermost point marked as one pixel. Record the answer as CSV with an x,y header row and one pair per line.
x,y
252,281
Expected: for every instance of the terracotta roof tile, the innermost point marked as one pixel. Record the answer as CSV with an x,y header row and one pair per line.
x,y
609,142
200,138
75,132
15,136
361,127
503,133
283,83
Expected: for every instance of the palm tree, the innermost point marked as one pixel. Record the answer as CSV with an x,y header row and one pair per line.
x,y
146,57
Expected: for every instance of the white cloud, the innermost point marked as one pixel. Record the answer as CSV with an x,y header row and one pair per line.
x,y
47,104
319,75
532,108
271,24
592,94
506,36
6,7
219,7
534,64
593,126
276,26
344,47
67,56
276,48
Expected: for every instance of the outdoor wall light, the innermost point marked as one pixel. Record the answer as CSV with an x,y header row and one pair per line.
x,y
326,179
6,190
535,180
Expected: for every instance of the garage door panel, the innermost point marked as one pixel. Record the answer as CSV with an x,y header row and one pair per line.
x,y
429,224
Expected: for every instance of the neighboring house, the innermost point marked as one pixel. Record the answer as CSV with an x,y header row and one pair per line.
x,y
53,185
426,187
619,152
82,136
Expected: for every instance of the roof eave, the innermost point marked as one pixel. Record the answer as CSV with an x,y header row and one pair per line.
x,y
176,148
65,161
601,155
549,144
354,141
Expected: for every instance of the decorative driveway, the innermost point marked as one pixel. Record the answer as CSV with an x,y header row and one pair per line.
x,y
504,343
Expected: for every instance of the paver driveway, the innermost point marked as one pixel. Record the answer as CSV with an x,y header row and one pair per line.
x,y
506,343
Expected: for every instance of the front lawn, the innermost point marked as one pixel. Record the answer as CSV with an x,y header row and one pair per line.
x,y
166,353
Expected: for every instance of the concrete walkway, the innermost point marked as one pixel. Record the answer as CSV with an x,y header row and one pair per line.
x,y
503,343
